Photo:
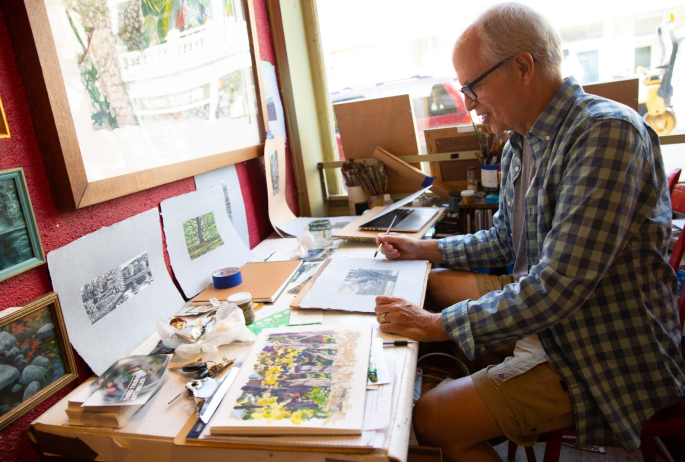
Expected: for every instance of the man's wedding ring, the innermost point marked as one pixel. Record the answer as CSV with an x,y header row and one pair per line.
x,y
381,318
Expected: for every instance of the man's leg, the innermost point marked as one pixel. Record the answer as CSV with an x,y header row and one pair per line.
x,y
447,287
454,417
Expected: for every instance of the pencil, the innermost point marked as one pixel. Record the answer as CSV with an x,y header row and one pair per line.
x,y
386,233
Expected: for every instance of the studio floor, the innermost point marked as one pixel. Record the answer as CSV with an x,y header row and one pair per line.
x,y
569,454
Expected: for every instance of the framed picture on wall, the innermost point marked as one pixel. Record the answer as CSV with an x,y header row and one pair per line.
x,y
4,128
37,359
132,94
20,247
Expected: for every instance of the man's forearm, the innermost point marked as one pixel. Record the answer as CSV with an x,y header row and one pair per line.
x,y
429,251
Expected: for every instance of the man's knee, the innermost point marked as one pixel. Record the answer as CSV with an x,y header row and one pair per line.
x,y
426,424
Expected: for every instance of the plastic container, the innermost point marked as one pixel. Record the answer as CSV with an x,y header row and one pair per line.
x,y
468,196
244,302
453,200
490,178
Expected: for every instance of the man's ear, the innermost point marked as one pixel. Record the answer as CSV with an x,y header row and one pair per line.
x,y
524,65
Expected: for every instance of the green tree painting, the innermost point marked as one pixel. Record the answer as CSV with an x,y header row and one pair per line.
x,y
201,235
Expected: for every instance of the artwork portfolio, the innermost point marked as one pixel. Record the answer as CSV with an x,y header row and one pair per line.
x,y
306,380
141,85
20,246
35,357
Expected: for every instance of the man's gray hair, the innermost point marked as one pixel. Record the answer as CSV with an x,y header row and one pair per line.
x,y
508,28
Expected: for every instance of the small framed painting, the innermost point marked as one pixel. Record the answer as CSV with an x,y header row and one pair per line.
x,y
36,359
4,128
20,247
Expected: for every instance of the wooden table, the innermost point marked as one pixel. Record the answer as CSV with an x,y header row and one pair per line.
x,y
149,436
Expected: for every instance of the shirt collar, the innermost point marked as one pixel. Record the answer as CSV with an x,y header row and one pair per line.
x,y
554,114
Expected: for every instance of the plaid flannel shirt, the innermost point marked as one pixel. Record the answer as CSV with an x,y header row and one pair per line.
x,y
599,292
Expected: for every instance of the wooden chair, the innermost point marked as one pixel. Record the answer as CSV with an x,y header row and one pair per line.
x,y
667,422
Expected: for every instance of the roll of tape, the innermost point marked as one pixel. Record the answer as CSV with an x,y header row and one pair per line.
x,y
225,278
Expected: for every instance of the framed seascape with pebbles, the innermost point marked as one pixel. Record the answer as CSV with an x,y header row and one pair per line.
x,y
36,359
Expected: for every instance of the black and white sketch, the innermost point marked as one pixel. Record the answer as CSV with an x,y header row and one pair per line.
x,y
103,294
369,282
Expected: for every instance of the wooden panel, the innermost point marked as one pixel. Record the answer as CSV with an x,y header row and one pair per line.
x,y
387,123
621,91
31,35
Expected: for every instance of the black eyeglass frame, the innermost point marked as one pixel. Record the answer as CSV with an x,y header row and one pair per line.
x,y
468,89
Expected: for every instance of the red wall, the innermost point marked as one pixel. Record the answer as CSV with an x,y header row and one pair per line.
x,y
58,228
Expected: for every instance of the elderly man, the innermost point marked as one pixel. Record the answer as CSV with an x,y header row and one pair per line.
x,y
584,217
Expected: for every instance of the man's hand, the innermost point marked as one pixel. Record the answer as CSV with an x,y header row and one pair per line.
x,y
398,316
399,247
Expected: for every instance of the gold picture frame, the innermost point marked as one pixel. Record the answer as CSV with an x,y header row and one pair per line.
x,y
37,359
4,127
106,127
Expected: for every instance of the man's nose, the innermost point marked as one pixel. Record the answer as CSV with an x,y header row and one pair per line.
x,y
469,103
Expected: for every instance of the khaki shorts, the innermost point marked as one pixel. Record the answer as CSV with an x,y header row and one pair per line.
x,y
525,393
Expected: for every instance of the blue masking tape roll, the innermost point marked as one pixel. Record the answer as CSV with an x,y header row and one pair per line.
x,y
225,278
427,181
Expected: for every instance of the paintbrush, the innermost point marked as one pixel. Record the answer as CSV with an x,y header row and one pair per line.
x,y
386,233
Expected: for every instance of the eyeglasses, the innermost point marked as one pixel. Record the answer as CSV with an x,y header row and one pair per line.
x,y
468,89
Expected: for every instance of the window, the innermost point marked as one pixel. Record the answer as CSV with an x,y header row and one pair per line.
x,y
375,42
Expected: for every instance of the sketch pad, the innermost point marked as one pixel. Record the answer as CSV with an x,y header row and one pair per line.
x,y
352,284
264,280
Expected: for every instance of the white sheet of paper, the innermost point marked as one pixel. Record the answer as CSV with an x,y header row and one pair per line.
x,y
352,284
300,226
378,408
274,107
276,249
302,317
227,179
120,275
274,165
378,359
194,261
680,223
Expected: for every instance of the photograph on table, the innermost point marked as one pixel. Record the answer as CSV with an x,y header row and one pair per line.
x,y
20,246
36,359
106,292
304,380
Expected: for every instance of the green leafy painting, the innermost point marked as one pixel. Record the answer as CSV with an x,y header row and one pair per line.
x,y
201,235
